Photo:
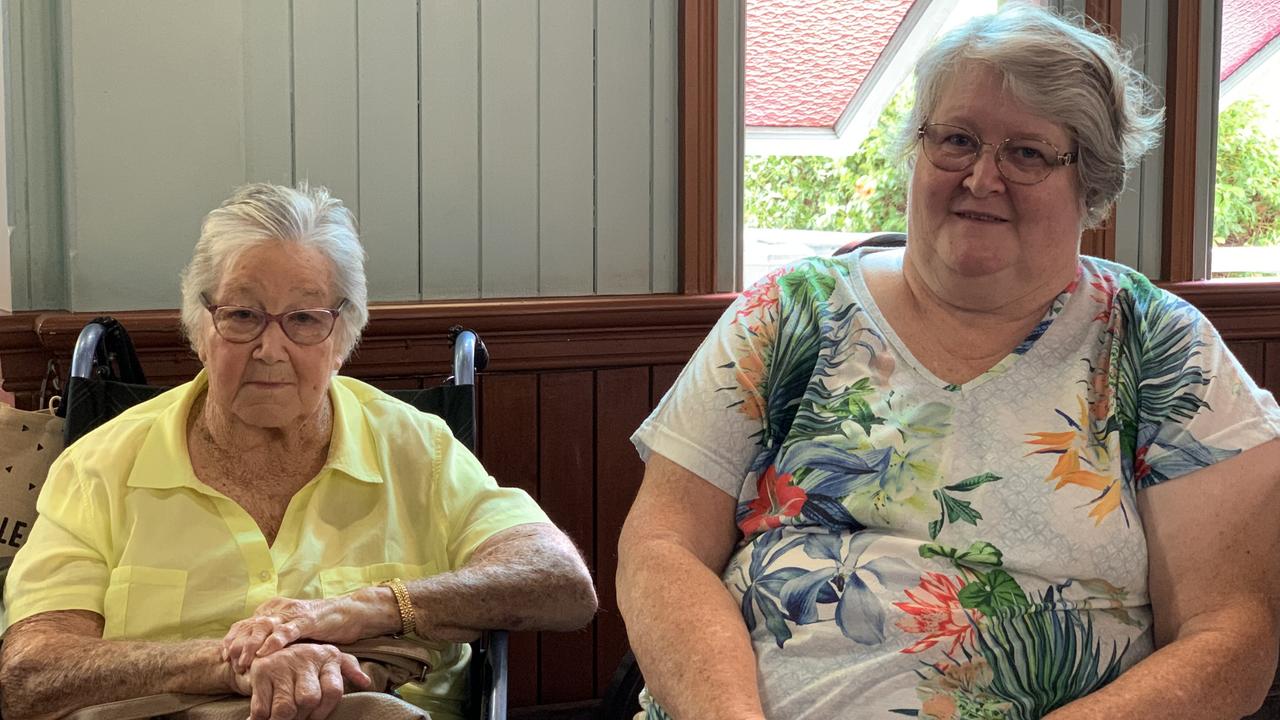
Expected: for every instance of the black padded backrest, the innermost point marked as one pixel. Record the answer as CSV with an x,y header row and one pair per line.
x,y
455,404
90,402
888,239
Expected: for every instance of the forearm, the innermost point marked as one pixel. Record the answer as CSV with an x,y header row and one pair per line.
x,y
47,672
687,634
1220,666
527,578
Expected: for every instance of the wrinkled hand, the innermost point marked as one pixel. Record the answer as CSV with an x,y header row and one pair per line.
x,y
299,682
280,622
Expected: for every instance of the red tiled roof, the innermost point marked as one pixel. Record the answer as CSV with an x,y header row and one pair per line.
x,y
805,59
1247,27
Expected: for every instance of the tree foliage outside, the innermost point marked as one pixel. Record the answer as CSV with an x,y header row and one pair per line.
x,y
1246,198
863,192
867,191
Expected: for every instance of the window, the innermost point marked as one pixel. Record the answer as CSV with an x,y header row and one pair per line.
x,y
1246,198
826,87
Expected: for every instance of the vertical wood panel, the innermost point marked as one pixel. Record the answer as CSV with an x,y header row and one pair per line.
x,y
509,148
618,474
666,137
268,87
1251,356
142,167
1177,252
325,97
623,146
698,182
509,451
450,147
38,252
388,140
664,376
566,405
1271,373
566,207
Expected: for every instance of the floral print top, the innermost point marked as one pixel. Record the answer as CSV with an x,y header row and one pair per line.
x,y
923,549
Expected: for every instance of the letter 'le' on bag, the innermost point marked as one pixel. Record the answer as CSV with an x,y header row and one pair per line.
x,y
29,443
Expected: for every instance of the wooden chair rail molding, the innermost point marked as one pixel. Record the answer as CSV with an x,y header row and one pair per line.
x,y
406,341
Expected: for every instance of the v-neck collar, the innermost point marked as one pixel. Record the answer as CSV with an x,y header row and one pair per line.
x,y
1003,366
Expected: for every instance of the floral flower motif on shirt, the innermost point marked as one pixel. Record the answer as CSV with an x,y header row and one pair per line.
x,y
1083,461
959,691
762,296
935,611
782,588
778,499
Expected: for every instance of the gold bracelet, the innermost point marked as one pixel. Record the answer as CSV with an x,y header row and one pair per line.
x,y
408,618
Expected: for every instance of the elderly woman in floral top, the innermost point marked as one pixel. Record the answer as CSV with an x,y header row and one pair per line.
x,y
981,477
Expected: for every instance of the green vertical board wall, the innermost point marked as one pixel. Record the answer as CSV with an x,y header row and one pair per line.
x,y
495,149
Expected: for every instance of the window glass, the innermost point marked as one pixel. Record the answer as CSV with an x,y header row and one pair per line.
x,y
821,118
1246,211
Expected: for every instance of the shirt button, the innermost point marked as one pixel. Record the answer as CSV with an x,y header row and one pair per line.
x,y
265,575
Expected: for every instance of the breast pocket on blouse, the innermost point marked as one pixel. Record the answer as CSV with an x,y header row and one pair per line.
x,y
342,580
144,603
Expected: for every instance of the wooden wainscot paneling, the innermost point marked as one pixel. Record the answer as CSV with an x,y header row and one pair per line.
x,y
569,381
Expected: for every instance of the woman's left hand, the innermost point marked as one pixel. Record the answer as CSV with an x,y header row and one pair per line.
x,y
281,621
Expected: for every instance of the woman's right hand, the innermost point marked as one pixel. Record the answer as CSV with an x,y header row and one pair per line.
x,y
301,681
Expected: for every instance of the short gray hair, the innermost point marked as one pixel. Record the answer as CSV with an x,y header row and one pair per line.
x,y
262,213
1064,72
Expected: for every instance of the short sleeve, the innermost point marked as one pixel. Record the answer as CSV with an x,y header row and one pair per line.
x,y
470,501
735,398
63,564
1194,403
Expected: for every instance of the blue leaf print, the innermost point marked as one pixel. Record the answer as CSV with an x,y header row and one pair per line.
x,y
829,513
773,620
859,614
887,566
761,549
825,545
833,458
774,581
1184,454
800,595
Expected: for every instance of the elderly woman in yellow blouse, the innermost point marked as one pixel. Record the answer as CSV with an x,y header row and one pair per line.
x,y
188,544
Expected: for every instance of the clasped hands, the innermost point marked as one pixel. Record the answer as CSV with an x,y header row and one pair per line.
x,y
285,678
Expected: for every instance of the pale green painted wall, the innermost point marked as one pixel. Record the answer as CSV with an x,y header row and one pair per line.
x,y
510,147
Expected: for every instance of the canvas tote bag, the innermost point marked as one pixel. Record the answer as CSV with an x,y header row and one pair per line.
x,y
29,442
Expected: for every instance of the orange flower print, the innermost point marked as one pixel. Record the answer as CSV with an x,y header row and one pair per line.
x,y
1105,295
749,374
778,499
936,613
762,295
1077,460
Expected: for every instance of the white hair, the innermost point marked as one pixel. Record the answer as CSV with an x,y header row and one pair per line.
x,y
261,213
1064,72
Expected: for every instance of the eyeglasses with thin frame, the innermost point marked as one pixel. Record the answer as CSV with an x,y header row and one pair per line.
x,y
239,324
1024,161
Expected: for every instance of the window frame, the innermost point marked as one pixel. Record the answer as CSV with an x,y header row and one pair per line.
x,y
1184,245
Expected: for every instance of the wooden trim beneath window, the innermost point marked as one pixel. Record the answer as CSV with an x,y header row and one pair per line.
x,y
1238,309
1178,237
697,194
1101,242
